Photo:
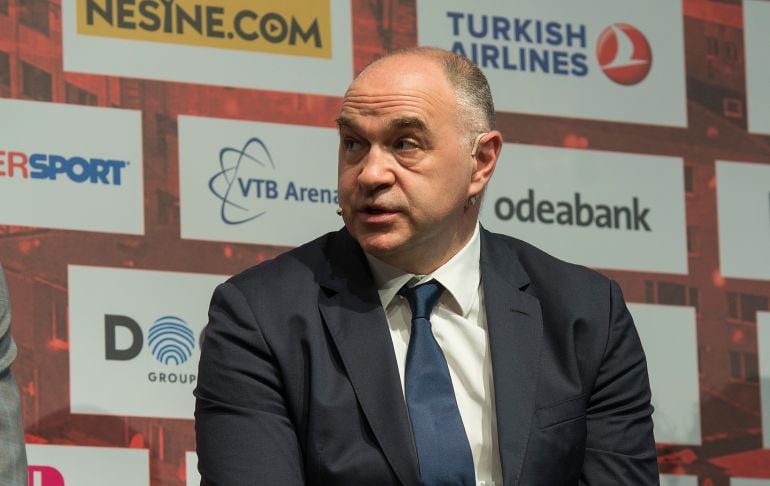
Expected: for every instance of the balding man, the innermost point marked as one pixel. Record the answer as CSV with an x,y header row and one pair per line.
x,y
413,346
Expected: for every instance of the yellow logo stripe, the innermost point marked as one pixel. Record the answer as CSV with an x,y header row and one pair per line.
x,y
298,28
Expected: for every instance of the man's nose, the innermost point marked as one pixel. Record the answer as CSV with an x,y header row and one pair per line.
x,y
377,170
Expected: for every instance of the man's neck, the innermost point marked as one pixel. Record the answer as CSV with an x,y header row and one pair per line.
x,y
428,260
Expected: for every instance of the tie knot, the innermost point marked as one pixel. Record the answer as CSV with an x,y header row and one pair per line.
x,y
422,298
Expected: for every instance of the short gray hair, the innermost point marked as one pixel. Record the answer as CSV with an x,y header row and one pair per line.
x,y
468,82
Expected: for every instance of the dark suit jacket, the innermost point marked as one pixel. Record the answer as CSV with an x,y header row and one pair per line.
x,y
298,382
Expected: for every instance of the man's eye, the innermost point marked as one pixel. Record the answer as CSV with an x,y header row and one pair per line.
x,y
351,144
405,144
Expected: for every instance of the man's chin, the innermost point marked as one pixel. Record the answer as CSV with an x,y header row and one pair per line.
x,y
379,250
379,245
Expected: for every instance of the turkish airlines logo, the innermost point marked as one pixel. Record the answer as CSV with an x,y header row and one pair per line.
x,y
624,54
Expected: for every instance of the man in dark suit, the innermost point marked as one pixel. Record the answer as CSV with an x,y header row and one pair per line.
x,y
413,346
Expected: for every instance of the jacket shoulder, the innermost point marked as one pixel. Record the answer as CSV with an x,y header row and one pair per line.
x,y
546,272
305,263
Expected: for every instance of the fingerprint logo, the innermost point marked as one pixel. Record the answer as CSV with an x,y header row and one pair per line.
x,y
171,340
624,54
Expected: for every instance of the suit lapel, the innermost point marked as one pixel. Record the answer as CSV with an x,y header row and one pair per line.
x,y
515,328
353,314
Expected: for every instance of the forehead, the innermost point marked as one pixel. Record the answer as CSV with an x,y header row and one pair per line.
x,y
399,87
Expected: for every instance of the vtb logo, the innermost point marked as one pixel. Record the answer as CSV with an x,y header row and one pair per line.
x,y
624,54
241,184
44,476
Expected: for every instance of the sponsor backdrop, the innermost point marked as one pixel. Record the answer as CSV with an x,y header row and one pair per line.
x,y
149,148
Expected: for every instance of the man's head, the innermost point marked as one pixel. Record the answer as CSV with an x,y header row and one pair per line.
x,y
417,143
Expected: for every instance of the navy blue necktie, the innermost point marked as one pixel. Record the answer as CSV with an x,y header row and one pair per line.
x,y
442,446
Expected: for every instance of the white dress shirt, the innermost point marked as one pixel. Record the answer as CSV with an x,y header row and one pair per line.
x,y
459,323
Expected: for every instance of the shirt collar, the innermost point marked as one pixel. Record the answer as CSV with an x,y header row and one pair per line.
x,y
460,276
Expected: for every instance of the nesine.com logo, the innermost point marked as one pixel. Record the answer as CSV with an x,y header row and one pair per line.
x,y
171,340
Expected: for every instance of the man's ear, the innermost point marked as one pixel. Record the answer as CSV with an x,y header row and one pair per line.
x,y
485,157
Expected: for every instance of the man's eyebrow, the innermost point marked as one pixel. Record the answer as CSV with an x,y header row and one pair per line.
x,y
408,122
395,124
343,122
